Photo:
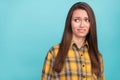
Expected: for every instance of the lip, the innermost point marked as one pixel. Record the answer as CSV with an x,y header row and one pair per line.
x,y
81,30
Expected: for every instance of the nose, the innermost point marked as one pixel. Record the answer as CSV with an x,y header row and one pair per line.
x,y
82,24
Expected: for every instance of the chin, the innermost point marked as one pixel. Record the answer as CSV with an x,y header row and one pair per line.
x,y
82,35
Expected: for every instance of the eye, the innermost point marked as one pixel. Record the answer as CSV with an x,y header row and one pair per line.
x,y
87,20
76,20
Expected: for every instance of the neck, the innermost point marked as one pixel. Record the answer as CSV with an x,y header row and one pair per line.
x,y
79,41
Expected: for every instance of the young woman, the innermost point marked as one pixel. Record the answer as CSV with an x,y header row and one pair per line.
x,y
77,56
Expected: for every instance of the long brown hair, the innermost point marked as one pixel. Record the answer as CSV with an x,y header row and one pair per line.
x,y
91,38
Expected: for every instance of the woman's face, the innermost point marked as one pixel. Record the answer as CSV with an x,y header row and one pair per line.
x,y
80,23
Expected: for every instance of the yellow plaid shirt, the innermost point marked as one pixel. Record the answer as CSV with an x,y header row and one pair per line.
x,y
77,65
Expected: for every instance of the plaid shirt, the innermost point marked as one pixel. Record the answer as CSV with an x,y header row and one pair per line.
x,y
77,65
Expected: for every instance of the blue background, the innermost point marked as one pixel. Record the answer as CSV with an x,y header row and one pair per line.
x,y
28,28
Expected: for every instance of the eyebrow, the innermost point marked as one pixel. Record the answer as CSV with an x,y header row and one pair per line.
x,y
80,17
76,17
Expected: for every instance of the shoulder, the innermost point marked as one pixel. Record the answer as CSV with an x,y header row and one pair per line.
x,y
55,47
100,56
54,50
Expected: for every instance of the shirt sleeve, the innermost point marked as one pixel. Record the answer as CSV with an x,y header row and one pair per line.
x,y
47,67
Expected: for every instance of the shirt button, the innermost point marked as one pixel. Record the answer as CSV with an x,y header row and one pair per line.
x,y
83,76
81,54
83,65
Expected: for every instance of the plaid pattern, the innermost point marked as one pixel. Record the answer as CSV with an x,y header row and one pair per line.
x,y
77,65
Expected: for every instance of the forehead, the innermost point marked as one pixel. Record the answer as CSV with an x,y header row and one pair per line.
x,y
79,13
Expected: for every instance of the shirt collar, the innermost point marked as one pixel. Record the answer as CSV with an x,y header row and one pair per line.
x,y
85,44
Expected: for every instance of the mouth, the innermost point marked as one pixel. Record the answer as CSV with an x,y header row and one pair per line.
x,y
81,30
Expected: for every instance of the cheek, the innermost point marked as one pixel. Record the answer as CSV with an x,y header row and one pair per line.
x,y
74,25
88,29
74,28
